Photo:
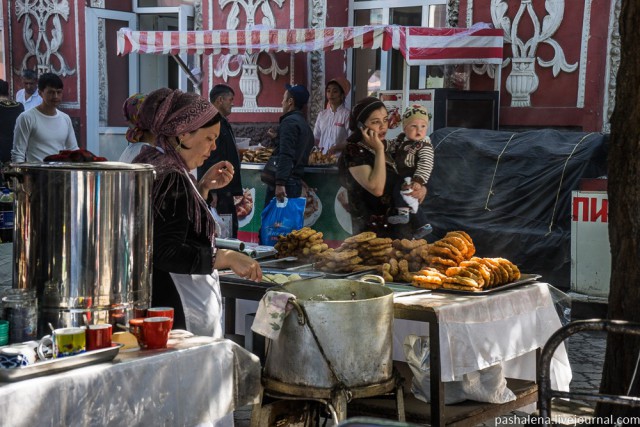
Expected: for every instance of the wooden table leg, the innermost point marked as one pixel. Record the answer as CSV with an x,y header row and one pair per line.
x,y
437,386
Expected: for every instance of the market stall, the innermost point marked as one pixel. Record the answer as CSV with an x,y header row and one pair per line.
x,y
419,46
327,210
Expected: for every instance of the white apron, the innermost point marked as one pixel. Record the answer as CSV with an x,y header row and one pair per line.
x,y
201,299
201,302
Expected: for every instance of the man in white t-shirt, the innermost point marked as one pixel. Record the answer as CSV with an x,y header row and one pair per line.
x,y
43,130
28,95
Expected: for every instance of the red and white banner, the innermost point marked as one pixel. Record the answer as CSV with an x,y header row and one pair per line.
x,y
431,46
240,41
419,45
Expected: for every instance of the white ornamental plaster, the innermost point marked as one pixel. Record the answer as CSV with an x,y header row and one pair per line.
x,y
103,81
41,12
453,8
197,12
523,79
584,46
317,61
613,64
246,65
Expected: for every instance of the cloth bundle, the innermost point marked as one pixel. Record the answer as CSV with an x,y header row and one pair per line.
x,y
272,310
74,156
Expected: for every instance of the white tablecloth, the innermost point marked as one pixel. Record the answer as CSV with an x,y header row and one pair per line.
x,y
481,331
198,381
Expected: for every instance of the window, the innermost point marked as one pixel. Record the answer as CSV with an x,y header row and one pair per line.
x,y
165,3
162,70
374,70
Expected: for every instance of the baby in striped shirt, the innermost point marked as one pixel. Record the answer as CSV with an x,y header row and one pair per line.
x,y
413,155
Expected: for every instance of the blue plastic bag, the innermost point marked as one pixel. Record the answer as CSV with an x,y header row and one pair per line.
x,y
281,218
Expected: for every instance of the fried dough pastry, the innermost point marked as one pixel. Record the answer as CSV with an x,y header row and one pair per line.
x,y
428,278
362,237
464,281
305,243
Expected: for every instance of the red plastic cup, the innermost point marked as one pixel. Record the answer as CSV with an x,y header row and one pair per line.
x,y
98,336
135,326
156,331
161,312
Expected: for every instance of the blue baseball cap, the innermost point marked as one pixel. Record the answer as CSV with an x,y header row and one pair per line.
x,y
299,93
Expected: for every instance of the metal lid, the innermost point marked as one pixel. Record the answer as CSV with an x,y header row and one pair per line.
x,y
97,166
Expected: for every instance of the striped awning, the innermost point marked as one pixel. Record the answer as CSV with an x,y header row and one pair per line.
x,y
430,46
256,40
419,45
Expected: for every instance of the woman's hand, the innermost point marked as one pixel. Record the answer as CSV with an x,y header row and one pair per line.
x,y
241,264
371,138
419,193
218,176
281,193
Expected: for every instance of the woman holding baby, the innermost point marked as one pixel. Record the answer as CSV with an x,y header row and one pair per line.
x,y
369,173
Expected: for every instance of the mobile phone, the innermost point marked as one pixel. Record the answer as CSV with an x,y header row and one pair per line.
x,y
361,126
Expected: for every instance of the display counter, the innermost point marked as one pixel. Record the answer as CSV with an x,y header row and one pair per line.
x,y
326,203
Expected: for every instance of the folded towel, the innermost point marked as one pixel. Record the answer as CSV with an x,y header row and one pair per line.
x,y
272,310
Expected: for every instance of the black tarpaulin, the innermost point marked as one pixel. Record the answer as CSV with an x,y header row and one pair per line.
x,y
511,191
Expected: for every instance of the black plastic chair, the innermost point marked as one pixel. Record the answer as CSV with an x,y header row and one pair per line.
x,y
546,394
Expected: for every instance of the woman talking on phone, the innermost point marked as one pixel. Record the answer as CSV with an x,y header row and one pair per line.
x,y
369,173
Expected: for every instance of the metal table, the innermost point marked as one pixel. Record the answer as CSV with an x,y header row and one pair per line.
x,y
424,310
196,381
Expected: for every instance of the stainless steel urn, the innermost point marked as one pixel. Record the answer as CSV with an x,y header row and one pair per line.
x,y
83,239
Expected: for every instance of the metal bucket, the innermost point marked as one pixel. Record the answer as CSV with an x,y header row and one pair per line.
x,y
83,235
353,327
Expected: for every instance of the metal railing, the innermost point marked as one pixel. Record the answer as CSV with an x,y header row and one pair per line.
x,y
546,394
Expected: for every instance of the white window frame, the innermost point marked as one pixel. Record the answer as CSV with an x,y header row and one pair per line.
x,y
183,13
94,130
385,55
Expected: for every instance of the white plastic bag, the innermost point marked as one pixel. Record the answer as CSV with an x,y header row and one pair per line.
x,y
485,385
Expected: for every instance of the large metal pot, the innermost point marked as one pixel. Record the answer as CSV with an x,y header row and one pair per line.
x,y
353,322
83,235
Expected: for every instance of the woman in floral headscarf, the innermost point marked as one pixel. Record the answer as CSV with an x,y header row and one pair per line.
x,y
138,134
185,259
